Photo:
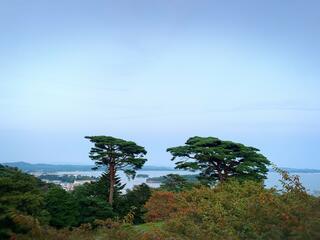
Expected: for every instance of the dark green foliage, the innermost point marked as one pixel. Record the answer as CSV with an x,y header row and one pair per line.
x,y
92,199
175,183
102,186
116,154
91,205
126,155
20,193
219,160
62,207
133,202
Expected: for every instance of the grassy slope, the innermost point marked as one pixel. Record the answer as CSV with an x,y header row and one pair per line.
x,y
148,226
139,230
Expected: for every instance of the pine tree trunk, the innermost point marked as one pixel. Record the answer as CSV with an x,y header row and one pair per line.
x,y
220,176
111,187
221,179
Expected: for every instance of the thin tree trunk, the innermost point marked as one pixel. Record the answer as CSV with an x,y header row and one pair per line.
x,y
221,178
111,179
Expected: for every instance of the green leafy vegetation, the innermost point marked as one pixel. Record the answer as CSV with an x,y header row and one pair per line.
x,y
236,206
91,203
116,155
62,207
21,194
177,183
133,203
246,210
219,160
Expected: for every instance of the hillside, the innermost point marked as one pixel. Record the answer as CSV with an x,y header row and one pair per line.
x,y
41,167
234,210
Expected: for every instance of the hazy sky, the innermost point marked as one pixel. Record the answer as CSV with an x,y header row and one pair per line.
x,y
158,72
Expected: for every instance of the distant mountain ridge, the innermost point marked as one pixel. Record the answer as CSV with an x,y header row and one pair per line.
x,y
43,167
298,170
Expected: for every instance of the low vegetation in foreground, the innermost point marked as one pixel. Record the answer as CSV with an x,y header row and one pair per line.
x,y
228,201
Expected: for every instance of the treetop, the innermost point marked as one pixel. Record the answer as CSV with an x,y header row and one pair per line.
x,y
112,143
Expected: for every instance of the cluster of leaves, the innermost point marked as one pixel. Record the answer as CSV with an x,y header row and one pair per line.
x,y
125,155
218,160
239,210
177,183
20,194
133,202
92,204
83,205
160,206
26,198
116,155
89,202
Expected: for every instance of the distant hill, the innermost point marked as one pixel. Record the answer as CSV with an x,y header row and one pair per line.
x,y
40,167
299,170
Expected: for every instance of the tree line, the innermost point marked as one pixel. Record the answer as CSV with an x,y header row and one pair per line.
x,y
227,199
217,160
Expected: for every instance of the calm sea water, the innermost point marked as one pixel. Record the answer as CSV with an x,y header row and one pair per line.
x,y
311,181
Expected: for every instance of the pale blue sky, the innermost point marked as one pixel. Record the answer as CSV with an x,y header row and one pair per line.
x,y
158,72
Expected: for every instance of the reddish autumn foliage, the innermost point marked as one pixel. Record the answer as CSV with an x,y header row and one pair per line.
x,y
160,206
246,210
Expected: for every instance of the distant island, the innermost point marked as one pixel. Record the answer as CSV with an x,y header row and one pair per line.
x,y
66,178
192,178
142,176
49,168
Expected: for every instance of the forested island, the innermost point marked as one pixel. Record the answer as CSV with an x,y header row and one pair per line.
x,y
66,178
52,168
226,199
189,178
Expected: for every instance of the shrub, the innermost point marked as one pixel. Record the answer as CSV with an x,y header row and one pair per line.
x,y
132,203
91,206
21,194
62,207
246,210
160,206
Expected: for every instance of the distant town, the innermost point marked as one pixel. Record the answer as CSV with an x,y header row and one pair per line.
x,y
66,181
69,181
